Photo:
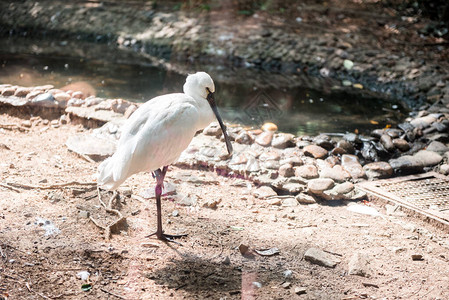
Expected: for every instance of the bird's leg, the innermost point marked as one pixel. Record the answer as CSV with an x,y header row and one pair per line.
x,y
160,175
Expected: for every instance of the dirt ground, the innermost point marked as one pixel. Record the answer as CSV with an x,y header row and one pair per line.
x,y
46,238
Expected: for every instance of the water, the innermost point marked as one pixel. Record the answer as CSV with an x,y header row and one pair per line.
x,y
251,99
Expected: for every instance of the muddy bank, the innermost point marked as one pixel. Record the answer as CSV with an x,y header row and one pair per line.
x,y
364,46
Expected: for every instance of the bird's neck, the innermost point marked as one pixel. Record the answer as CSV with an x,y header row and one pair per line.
x,y
206,114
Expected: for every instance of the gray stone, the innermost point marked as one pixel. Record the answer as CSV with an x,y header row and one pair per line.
x,y
321,258
264,192
244,138
45,100
319,185
294,161
387,142
347,146
352,138
252,165
305,198
406,164
423,122
290,202
271,165
213,129
359,264
307,171
428,158
401,144
437,147
337,173
378,170
286,170
351,164
292,187
283,140
264,139
315,151
94,147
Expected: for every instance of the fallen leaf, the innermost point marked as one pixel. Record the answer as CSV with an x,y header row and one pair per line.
x,y
268,252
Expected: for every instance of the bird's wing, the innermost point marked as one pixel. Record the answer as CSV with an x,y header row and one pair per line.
x,y
156,135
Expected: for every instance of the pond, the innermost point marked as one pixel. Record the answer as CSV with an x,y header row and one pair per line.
x,y
249,99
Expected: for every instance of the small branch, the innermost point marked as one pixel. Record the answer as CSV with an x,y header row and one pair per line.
x,y
111,293
43,187
13,126
9,187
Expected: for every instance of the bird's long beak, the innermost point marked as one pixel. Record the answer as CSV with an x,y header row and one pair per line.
x,y
211,100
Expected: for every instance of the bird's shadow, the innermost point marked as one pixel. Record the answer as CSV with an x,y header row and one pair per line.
x,y
199,275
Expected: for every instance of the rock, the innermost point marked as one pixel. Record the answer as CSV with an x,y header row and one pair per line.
x,y
92,146
300,290
290,202
252,165
387,142
283,140
406,164
238,159
347,146
423,122
62,97
286,285
428,158
274,201
244,138
270,155
294,161
359,264
293,187
212,203
444,169
417,257
34,93
319,185
269,127
8,91
323,141
84,214
351,164
305,198
187,201
264,192
22,91
437,147
213,129
78,95
378,170
130,110
45,100
26,123
401,144
264,139
337,173
286,170
271,165
343,191
315,151
321,258
352,138
307,171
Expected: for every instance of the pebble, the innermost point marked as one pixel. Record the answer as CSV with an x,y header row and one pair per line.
x,y
359,264
307,171
378,170
264,139
401,144
213,129
321,258
286,170
305,198
387,142
290,202
22,91
269,127
315,151
437,147
283,140
346,146
26,123
244,138
336,173
264,192
62,97
300,290
352,165
319,185
212,203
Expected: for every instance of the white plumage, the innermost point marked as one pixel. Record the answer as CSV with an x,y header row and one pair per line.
x,y
159,130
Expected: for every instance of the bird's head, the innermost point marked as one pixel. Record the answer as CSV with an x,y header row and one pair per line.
x,y
202,84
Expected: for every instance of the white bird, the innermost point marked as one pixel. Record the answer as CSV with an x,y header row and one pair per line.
x,y
156,134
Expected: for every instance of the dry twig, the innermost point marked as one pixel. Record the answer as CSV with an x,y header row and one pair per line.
x,y
11,185
107,229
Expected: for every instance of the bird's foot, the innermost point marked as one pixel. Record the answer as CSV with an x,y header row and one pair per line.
x,y
167,237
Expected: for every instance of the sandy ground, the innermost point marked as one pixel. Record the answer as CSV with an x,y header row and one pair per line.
x,y
46,238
